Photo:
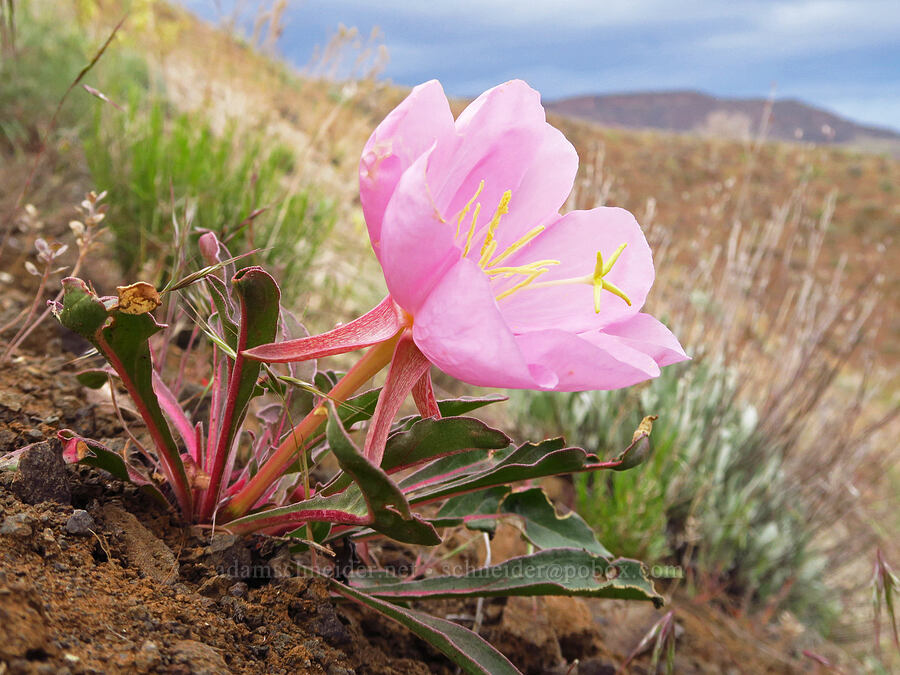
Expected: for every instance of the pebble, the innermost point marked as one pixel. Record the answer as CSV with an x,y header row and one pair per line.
x,y
17,525
147,657
239,590
80,522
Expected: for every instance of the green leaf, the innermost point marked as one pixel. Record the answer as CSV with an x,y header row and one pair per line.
x,y
560,571
547,458
359,408
454,407
92,379
468,472
346,508
432,438
388,508
465,648
259,296
124,344
477,510
545,528
81,311
457,510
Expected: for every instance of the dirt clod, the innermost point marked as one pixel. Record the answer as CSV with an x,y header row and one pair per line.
x,y
18,525
198,658
142,548
42,474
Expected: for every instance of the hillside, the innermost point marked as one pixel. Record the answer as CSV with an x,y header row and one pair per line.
x,y
769,262
694,111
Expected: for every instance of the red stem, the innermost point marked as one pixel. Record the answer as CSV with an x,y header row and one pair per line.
x,y
373,361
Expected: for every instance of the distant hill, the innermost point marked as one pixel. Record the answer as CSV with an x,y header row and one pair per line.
x,y
696,112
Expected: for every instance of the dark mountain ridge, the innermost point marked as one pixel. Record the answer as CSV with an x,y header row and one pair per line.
x,y
697,112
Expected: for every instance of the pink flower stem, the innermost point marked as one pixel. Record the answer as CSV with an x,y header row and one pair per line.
x,y
374,360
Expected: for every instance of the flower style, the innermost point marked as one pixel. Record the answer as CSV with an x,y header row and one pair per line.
x,y
487,280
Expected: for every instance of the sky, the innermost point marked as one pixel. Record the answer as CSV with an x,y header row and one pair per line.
x,y
843,55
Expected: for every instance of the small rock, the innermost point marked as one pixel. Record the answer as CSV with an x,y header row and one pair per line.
x,y
147,657
239,590
47,542
216,586
34,435
80,522
200,658
18,525
335,669
42,475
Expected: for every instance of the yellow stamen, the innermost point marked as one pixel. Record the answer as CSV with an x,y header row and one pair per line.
x,y
515,246
471,230
465,211
502,209
522,284
528,268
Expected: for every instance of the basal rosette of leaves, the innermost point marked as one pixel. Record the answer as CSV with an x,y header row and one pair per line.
x,y
525,298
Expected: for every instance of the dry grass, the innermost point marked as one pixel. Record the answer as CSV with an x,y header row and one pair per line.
x,y
772,259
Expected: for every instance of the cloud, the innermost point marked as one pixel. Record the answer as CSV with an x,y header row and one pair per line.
x,y
819,50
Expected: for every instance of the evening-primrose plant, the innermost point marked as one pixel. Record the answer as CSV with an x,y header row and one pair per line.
x,y
526,298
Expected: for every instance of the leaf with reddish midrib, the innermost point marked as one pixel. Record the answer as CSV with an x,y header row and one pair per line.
x,y
558,571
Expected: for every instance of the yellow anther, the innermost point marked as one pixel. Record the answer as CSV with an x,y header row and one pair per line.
x,y
465,211
502,209
516,245
471,230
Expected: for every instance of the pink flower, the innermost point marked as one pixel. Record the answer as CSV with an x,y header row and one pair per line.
x,y
487,280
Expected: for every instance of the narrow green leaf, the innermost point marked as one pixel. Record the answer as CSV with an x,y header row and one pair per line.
x,y
560,571
125,345
547,458
432,438
259,296
455,407
388,507
466,649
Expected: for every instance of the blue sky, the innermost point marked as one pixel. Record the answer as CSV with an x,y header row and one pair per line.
x,y
843,55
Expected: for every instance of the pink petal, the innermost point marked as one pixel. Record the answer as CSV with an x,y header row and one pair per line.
x,y
417,246
407,132
500,134
461,331
376,325
645,333
543,189
587,362
407,367
574,240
